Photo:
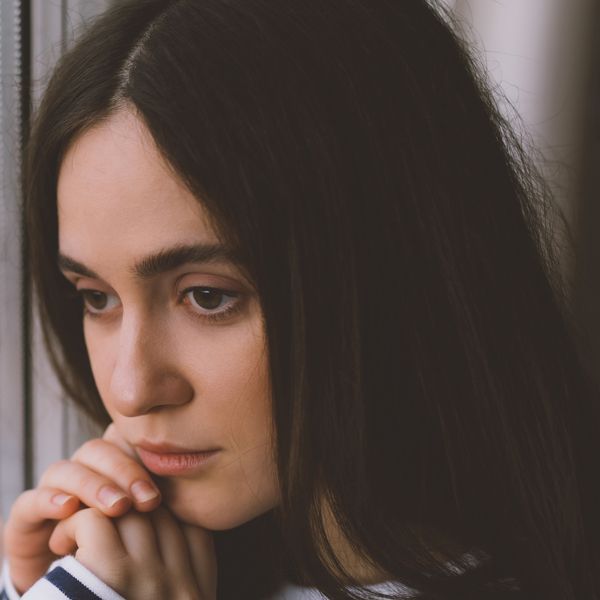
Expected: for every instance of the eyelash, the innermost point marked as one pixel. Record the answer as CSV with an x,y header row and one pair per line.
x,y
223,314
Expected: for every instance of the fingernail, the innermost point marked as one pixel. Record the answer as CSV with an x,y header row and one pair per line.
x,y
143,491
109,496
60,499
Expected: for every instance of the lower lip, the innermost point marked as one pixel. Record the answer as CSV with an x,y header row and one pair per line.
x,y
176,464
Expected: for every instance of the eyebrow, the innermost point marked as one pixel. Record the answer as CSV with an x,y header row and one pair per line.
x,y
166,259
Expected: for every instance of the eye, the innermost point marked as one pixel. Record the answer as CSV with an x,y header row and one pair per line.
x,y
96,302
211,303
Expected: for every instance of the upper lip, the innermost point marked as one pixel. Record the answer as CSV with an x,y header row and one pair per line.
x,y
167,448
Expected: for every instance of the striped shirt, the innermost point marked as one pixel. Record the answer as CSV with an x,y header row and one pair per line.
x,y
68,579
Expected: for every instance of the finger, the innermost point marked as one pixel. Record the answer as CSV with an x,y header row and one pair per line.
x,y
138,537
93,489
172,545
90,533
112,435
111,461
201,546
32,509
32,518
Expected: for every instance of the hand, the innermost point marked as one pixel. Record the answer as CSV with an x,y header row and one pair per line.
x,y
102,474
142,556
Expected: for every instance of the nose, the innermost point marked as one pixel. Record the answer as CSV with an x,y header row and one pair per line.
x,y
144,377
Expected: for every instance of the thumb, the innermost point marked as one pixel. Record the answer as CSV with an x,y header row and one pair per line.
x,y
86,531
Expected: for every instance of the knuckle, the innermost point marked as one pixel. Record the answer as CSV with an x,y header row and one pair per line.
x,y
125,469
57,464
88,483
52,470
25,498
88,446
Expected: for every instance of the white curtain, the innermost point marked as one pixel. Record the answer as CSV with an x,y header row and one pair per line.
x,y
12,380
36,427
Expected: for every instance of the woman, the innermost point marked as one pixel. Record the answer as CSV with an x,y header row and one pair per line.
x,y
313,308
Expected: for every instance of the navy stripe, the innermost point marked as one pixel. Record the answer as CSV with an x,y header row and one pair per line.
x,y
3,595
69,586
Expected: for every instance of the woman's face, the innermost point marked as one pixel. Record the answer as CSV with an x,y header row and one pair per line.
x,y
173,329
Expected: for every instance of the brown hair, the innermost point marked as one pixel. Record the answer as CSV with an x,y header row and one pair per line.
x,y
423,373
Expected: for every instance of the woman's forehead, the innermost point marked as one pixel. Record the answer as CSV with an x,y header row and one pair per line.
x,y
117,152
116,195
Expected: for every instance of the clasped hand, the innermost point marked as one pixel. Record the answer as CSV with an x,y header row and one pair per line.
x,y
102,506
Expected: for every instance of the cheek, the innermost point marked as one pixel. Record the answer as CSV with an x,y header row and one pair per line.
x,y
230,375
222,359
101,348
234,388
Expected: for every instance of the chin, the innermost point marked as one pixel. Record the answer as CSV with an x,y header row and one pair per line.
x,y
213,513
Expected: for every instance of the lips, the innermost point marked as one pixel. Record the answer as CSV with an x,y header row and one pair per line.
x,y
171,460
168,448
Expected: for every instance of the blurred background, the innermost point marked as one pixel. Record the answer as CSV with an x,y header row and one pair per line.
x,y
543,62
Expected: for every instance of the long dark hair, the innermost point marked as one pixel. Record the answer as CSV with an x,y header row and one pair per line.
x,y
424,374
